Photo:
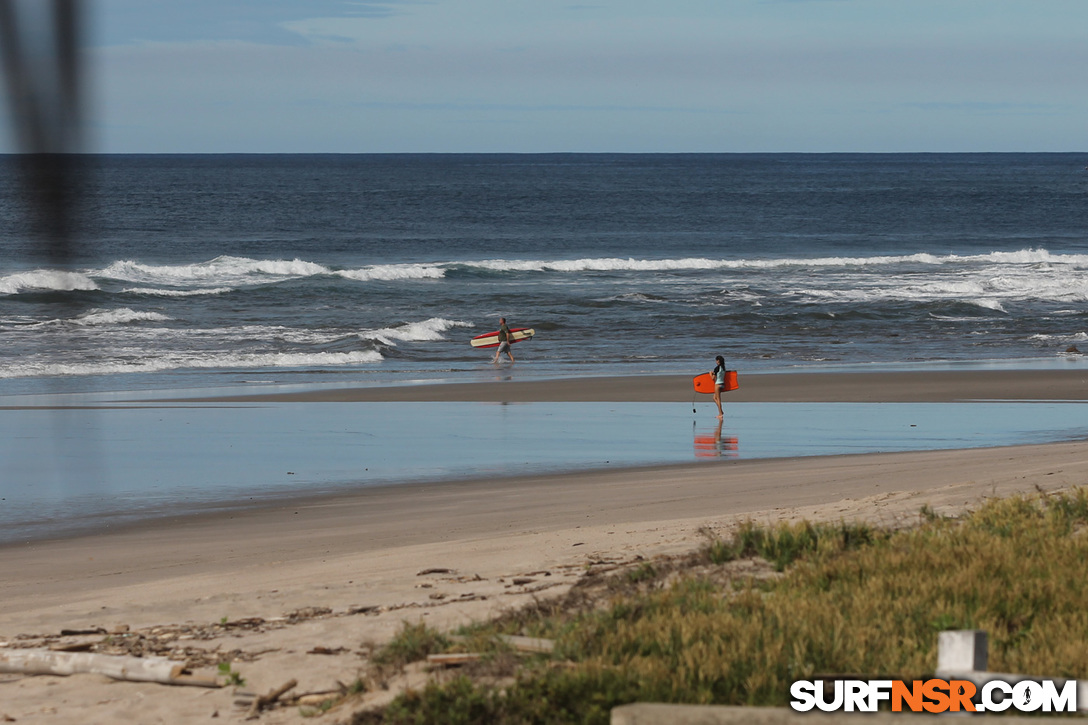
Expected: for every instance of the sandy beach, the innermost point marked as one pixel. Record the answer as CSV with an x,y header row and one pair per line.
x,y
329,576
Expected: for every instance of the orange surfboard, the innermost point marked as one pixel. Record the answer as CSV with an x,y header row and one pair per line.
x,y
705,383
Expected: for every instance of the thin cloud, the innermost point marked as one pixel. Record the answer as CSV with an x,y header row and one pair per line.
x,y
267,22
991,108
532,108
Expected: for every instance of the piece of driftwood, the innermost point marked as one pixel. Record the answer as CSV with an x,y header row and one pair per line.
x,y
265,700
132,669
528,644
317,697
73,647
457,658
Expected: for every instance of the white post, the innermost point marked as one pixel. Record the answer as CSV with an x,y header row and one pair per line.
x,y
964,650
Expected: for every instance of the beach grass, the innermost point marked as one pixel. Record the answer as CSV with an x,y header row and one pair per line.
x,y
414,642
850,599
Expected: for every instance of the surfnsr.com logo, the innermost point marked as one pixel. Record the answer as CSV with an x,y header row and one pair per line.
x,y
934,696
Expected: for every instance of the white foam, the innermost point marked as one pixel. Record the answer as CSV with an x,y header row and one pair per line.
x,y
1024,257
19,321
44,280
635,297
177,292
393,272
743,295
426,330
204,335
227,272
219,272
989,285
117,317
987,304
616,264
100,318
180,362
1076,337
603,264
150,349
1029,256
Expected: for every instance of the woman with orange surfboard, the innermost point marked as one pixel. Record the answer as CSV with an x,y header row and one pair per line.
x,y
719,383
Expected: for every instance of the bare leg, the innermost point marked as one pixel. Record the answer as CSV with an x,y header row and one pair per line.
x,y
718,400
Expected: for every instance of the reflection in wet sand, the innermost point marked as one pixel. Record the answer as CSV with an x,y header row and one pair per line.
x,y
716,445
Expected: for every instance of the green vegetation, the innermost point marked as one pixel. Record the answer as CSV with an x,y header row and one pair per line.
x,y
413,642
230,675
643,572
785,543
851,600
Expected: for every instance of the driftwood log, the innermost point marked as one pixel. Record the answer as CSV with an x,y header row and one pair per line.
x,y
528,644
132,669
267,700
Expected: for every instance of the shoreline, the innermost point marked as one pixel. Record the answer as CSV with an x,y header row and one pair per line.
x,y
935,386
871,387
782,386
942,386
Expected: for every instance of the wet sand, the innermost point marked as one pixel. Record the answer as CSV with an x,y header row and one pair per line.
x,y
856,387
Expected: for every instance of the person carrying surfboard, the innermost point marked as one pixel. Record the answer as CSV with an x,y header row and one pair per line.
x,y
719,383
504,341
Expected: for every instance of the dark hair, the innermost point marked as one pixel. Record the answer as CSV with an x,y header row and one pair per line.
x,y
720,360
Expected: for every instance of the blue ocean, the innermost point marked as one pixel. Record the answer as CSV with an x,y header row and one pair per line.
x,y
249,270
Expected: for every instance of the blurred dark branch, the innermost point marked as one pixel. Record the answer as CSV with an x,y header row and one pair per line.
x,y
45,105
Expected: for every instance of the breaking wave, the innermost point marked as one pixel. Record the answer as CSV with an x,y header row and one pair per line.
x,y
226,273
177,292
117,317
218,272
617,264
44,280
393,272
431,329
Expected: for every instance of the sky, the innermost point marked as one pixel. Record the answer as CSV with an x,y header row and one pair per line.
x,y
360,76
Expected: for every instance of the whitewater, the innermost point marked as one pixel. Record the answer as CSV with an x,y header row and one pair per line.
x,y
137,329
225,271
